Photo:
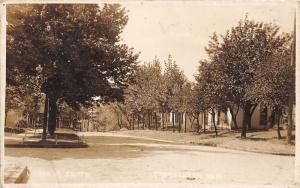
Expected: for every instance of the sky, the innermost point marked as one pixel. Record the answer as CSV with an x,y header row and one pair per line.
x,y
182,29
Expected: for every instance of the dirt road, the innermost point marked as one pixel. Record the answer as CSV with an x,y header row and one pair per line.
x,y
126,159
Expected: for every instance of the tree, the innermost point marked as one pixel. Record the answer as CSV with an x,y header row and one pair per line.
x,y
274,81
208,90
22,93
155,91
78,49
175,80
238,55
185,95
12,99
194,104
144,97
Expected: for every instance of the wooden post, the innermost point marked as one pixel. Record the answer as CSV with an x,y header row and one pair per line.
x,y
291,94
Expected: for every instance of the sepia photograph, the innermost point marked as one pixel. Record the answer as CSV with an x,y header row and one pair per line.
x,y
150,93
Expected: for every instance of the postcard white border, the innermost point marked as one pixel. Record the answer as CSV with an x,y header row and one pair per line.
x,y
296,4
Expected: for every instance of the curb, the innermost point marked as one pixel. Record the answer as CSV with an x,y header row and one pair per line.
x,y
36,145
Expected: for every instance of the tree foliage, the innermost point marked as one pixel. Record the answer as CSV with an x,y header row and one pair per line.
x,y
78,48
158,91
237,61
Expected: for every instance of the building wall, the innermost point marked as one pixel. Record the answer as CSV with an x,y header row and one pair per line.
x,y
239,118
225,119
255,120
12,118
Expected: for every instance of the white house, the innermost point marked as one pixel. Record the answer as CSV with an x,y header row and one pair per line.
x,y
259,119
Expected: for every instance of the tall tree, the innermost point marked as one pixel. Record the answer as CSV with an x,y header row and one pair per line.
x,y
22,93
274,81
155,91
175,80
238,54
208,90
195,106
143,95
77,48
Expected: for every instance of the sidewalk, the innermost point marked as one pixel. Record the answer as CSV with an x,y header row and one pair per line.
x,y
15,173
260,142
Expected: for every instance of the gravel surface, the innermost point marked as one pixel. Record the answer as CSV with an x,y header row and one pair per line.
x,y
112,158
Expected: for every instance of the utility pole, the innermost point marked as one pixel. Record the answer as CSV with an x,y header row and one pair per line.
x,y
291,94
39,70
45,122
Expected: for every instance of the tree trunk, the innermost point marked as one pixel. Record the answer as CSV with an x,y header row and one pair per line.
x,y
132,122
272,119
290,124
233,116
138,123
185,122
53,111
198,124
155,120
143,121
252,109
214,121
179,122
119,124
163,120
149,119
192,120
218,117
173,123
246,119
204,124
166,120
234,123
278,125
46,106
5,118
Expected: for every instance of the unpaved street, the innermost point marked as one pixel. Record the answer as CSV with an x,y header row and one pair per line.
x,y
125,159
